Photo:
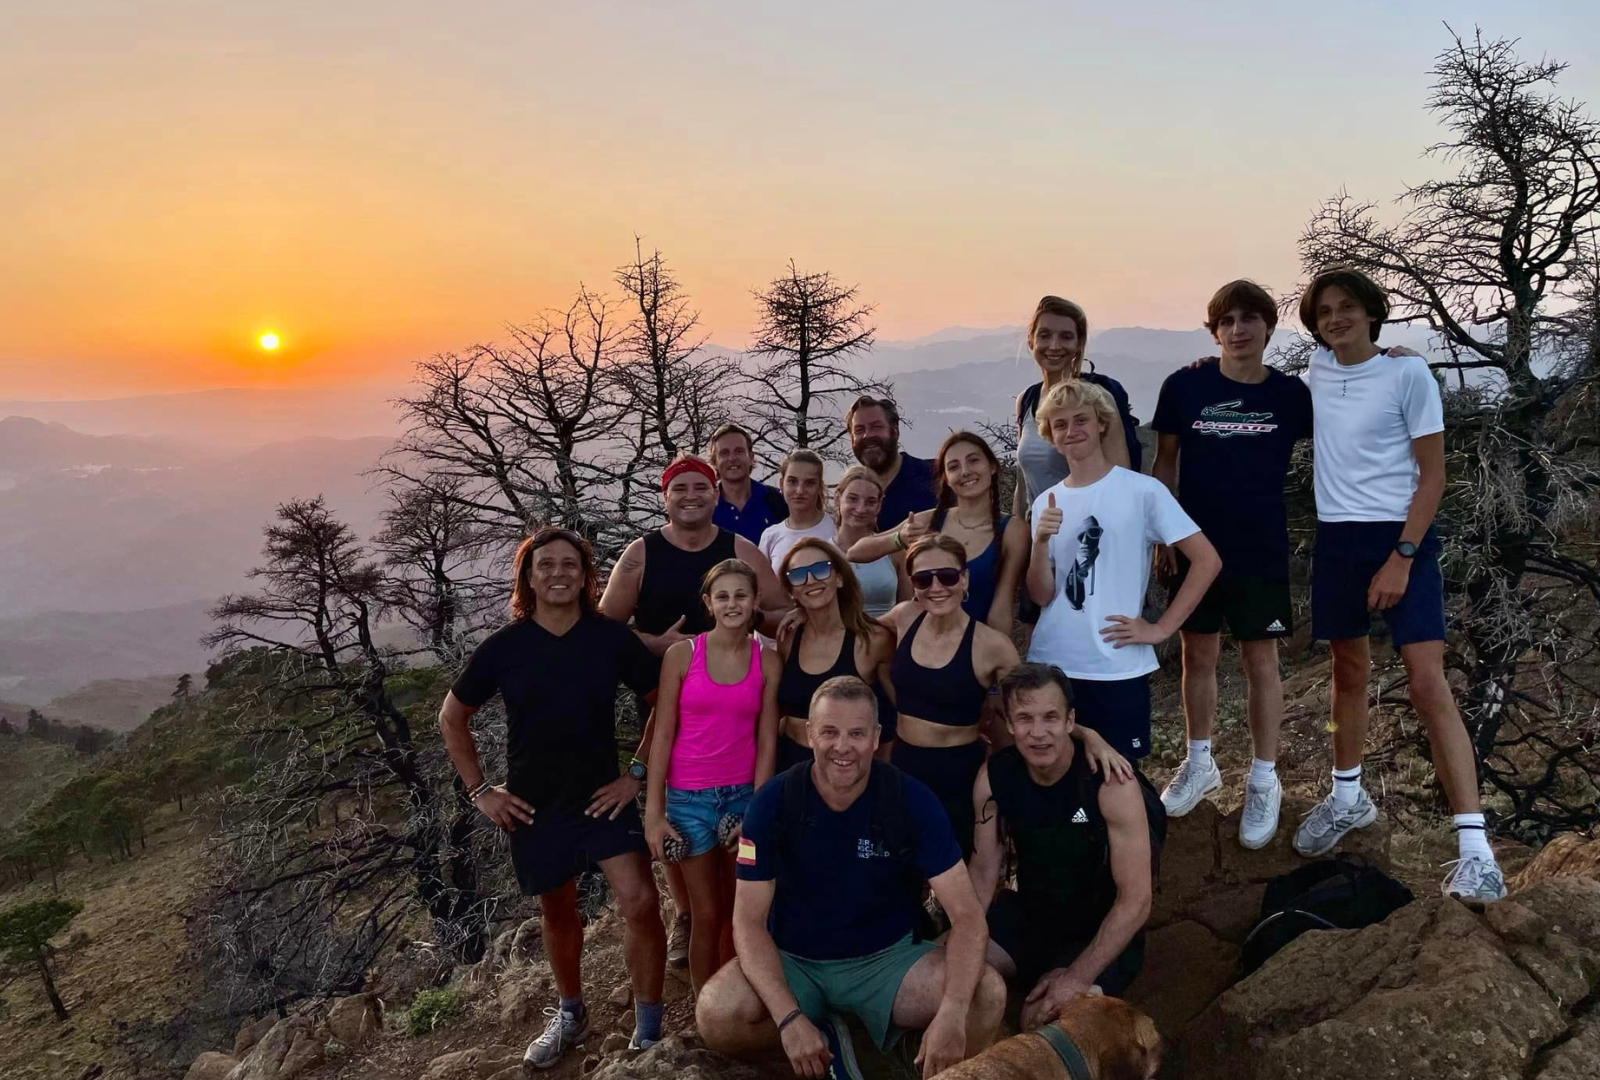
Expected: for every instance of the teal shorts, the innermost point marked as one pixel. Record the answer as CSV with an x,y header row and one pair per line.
x,y
863,985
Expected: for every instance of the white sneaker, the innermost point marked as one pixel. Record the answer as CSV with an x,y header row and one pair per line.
x,y
1189,785
562,1033
1259,822
1474,878
1328,821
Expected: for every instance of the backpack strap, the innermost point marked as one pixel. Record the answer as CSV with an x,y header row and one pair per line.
x,y
796,817
1028,403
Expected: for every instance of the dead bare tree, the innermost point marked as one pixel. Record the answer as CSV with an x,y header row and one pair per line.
x,y
303,907
438,565
808,328
1484,258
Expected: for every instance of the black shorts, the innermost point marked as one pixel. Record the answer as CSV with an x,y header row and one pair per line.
x,y
560,844
1347,556
1117,710
1254,608
950,772
1045,945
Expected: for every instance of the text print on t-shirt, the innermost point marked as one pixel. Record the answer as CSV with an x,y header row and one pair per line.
x,y
1225,421
1080,578
866,849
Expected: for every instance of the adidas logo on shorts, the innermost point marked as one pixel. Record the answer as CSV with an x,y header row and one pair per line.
x,y
1276,627
1080,818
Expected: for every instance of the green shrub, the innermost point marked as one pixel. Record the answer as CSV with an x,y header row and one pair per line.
x,y
432,1010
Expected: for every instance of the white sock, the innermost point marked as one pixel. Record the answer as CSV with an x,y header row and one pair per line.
x,y
1200,752
1263,773
1471,837
1347,786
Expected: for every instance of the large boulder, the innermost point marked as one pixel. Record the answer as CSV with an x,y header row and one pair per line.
x,y
292,1047
251,1034
1438,990
474,1064
1568,855
355,1019
211,1066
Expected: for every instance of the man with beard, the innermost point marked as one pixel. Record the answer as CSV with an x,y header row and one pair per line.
x,y
907,482
1083,848
831,867
656,584
744,506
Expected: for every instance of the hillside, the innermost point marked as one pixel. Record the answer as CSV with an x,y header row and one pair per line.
x,y
30,769
46,656
113,704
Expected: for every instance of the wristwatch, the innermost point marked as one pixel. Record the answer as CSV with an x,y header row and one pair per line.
x,y
637,769
1406,549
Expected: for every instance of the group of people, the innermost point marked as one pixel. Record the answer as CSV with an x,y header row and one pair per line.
x,y
842,737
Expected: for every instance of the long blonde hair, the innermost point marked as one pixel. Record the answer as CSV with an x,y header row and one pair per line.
x,y
802,456
851,475
852,609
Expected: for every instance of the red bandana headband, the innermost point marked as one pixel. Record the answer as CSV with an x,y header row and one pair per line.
x,y
683,465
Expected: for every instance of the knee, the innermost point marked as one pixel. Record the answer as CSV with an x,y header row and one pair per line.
x,y
1261,665
726,1009
1430,696
640,902
1200,653
559,915
1350,672
991,992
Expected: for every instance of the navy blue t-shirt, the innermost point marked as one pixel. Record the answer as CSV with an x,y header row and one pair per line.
x,y
910,490
845,897
766,507
1234,444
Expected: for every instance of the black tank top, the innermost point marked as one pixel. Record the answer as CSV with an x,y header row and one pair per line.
x,y
670,586
949,695
796,685
1060,838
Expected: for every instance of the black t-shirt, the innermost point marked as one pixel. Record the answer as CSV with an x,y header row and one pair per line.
x,y
911,490
560,695
1234,444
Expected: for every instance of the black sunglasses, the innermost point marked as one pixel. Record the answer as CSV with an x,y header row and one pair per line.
x,y
817,571
948,576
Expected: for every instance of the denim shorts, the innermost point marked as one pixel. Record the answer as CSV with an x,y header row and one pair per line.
x,y
696,814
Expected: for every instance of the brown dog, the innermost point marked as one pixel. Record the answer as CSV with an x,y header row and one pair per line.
x,y
1117,1041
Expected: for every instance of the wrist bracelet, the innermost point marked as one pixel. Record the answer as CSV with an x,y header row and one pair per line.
x,y
900,538
472,796
787,1020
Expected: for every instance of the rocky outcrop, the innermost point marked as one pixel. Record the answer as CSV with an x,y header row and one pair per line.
x,y
675,1058
1437,990
292,1047
355,1019
251,1034
211,1066
478,1063
1568,855
1208,900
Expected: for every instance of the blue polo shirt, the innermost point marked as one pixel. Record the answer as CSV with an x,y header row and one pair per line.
x,y
766,507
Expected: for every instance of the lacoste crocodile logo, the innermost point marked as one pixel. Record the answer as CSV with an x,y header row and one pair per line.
x,y
1225,421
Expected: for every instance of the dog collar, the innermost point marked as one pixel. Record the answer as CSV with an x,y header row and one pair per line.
x,y
1066,1050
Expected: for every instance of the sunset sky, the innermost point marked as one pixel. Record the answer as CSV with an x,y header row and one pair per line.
x,y
375,182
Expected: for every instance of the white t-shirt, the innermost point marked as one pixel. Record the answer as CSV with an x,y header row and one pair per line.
x,y
1365,416
1102,564
777,539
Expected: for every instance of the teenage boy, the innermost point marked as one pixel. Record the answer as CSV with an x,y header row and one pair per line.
x,y
744,506
1232,427
1090,566
1379,471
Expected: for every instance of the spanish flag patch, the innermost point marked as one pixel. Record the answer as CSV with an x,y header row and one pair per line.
x,y
747,851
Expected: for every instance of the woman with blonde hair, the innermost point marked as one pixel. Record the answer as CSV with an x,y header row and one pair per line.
x,y
800,480
857,498
833,635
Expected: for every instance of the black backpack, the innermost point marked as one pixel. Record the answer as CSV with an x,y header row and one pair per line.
x,y
1340,893
890,828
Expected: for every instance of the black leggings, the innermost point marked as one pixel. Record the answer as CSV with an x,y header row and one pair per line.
x,y
950,771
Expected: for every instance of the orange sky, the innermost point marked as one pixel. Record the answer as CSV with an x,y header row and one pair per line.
x,y
377,182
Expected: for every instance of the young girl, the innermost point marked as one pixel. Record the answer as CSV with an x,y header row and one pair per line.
x,y
715,737
800,478
856,501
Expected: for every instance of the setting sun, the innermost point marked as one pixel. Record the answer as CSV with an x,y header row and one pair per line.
x,y
268,341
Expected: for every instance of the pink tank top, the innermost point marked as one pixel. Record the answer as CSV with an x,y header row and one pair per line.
x,y
716,743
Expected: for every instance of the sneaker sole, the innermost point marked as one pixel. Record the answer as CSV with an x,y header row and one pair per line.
x,y
852,1068
1259,844
531,1067
1184,808
1366,819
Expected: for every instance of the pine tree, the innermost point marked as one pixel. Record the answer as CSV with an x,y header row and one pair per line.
x,y
25,933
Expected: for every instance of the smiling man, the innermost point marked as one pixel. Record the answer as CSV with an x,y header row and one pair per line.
x,y
1227,433
1379,477
832,863
907,482
744,506
1084,867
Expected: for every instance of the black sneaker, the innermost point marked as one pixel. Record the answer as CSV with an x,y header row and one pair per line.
x,y
843,1065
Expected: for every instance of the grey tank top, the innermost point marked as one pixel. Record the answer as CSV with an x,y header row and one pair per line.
x,y
879,583
1042,465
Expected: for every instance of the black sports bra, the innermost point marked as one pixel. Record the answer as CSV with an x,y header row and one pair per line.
x,y
950,695
796,685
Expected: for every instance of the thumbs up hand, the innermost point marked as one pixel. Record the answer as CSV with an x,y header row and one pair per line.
x,y
1049,522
